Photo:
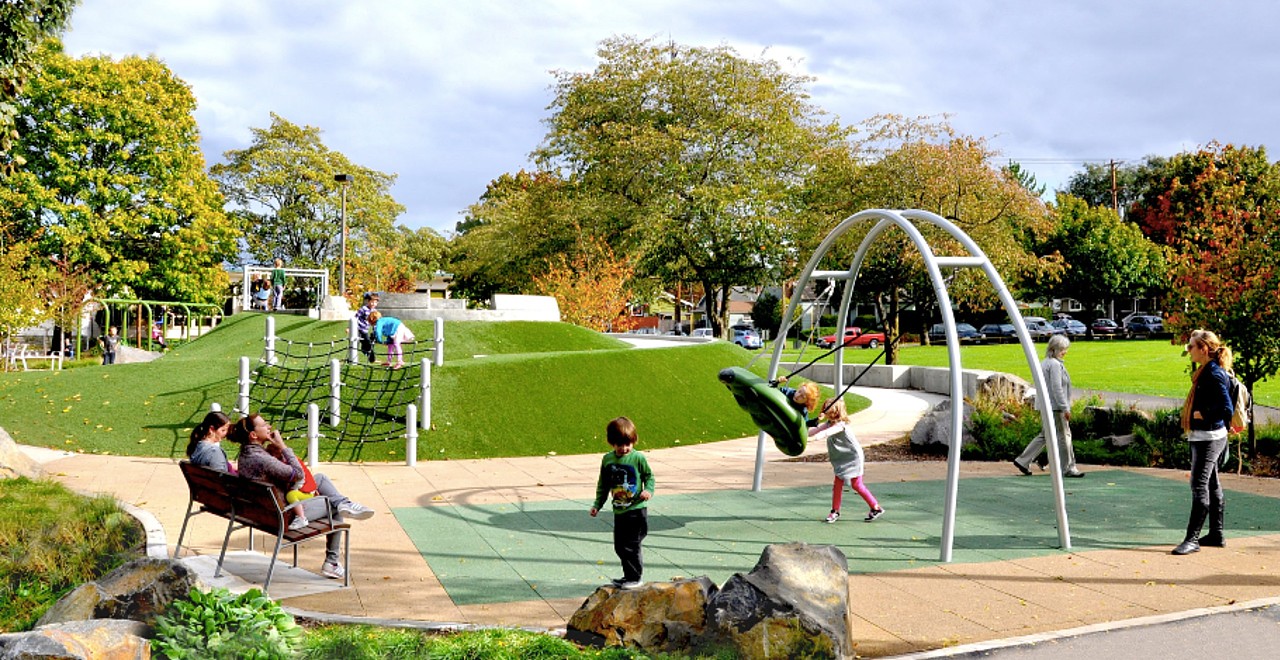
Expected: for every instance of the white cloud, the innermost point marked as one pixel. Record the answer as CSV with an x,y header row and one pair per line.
x,y
450,95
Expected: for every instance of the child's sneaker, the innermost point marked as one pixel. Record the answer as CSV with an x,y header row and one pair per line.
x,y
634,584
299,522
875,513
833,516
332,570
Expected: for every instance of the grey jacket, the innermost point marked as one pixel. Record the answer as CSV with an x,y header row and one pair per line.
x,y
1058,384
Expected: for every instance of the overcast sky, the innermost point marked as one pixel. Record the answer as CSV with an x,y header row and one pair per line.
x,y
450,95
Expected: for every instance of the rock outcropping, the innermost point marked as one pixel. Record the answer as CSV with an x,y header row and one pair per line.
x,y
794,603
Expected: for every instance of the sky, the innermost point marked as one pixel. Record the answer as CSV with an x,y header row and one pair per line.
x,y
449,95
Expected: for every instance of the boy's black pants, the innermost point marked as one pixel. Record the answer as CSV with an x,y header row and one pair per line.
x,y
629,530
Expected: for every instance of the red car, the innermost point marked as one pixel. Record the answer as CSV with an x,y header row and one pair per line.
x,y
854,337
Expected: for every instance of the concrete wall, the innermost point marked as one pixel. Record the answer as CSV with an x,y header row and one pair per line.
x,y
422,307
927,379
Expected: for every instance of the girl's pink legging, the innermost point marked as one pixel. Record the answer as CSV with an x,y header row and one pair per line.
x,y
394,350
837,492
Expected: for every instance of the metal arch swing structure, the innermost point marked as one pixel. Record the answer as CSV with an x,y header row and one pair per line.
x,y
906,221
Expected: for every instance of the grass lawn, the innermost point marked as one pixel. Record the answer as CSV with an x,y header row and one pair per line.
x,y
1138,366
506,389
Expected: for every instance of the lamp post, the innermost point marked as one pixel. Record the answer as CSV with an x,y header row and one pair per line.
x,y
344,179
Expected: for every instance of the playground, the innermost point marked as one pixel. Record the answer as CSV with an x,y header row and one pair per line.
x,y
507,541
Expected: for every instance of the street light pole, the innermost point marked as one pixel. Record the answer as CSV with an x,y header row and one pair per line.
x,y
344,179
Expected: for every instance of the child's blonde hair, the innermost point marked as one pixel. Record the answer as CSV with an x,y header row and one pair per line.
x,y
374,316
810,392
835,408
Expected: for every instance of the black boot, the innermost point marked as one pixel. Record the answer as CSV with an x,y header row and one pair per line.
x,y
1194,525
1214,538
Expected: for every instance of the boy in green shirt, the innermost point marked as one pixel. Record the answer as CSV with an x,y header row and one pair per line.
x,y
625,474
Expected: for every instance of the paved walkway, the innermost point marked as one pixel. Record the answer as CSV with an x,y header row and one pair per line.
x,y
902,611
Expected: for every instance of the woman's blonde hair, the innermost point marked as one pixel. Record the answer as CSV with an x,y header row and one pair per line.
x,y
836,406
1218,351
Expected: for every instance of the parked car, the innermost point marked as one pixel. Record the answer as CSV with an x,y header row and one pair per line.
x,y
1040,329
1144,326
854,336
1105,328
702,332
746,337
1001,332
1071,327
966,333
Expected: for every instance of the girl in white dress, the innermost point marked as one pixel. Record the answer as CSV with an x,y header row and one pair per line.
x,y
845,455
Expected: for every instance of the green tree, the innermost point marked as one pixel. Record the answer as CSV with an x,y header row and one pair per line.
x,y
1105,257
766,314
114,182
1219,208
290,206
24,24
922,163
698,153
522,221
21,284
1115,185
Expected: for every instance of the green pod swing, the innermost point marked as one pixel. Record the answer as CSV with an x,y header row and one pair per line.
x,y
768,408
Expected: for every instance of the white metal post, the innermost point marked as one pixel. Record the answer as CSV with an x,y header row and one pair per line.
x,y
353,339
439,340
313,435
424,398
335,391
215,407
270,340
242,403
411,435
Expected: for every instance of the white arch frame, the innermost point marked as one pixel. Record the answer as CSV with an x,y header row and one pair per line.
x,y
976,258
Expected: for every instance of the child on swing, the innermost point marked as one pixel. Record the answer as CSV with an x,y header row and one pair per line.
x,y
803,399
845,455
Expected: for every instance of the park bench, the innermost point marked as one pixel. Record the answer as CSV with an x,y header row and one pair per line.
x,y
23,353
256,505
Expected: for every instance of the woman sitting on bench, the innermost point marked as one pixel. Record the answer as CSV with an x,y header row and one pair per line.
x,y
265,457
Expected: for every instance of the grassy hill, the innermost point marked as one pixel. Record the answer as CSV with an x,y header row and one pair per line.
x,y
506,389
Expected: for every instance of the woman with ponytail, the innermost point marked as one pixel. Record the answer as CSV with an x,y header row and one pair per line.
x,y
1205,416
205,447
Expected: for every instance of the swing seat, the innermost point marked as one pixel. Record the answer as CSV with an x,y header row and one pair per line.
x,y
768,408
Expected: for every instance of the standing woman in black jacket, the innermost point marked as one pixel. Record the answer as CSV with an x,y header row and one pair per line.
x,y
1205,416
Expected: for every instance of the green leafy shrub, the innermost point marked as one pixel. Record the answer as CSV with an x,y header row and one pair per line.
x,y
53,540
217,624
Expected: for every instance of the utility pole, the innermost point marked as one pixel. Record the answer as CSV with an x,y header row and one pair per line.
x,y
1115,191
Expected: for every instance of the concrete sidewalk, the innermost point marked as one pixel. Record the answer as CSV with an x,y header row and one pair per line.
x,y
903,611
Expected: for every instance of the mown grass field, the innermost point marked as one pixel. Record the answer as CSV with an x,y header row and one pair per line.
x,y
506,389
1140,366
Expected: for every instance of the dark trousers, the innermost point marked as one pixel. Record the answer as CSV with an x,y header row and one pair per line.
x,y
1206,492
109,357
629,530
366,347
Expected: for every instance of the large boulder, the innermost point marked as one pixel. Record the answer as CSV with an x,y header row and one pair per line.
x,y
793,604
140,590
932,434
657,617
14,463
106,639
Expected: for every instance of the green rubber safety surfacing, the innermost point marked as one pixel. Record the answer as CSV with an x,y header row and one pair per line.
x,y
500,553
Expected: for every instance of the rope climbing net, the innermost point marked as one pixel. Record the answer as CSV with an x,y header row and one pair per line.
x,y
359,403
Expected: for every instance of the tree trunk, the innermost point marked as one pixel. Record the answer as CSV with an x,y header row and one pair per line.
x,y
892,327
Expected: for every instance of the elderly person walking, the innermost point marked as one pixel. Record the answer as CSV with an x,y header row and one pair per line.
x,y
1058,398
